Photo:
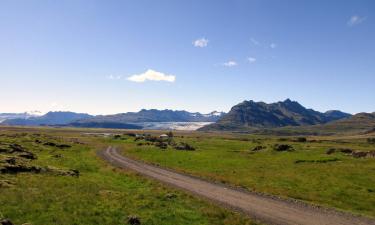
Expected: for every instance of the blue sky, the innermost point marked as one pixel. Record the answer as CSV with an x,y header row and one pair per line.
x,y
105,57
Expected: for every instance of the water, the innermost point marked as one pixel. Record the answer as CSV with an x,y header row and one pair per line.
x,y
189,126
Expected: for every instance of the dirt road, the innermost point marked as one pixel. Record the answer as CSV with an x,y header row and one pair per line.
x,y
266,209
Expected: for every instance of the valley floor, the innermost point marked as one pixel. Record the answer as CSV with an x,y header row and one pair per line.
x,y
267,209
326,171
53,176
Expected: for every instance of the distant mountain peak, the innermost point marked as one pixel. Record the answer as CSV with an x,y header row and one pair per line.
x,y
50,118
34,113
250,114
288,100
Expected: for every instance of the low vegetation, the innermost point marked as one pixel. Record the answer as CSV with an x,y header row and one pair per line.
x,y
330,171
57,184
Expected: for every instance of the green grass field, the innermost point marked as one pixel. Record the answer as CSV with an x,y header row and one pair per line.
x,y
307,173
100,195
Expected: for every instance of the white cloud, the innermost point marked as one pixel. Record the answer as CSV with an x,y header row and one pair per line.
x,y
355,20
201,43
230,63
114,77
255,42
273,45
251,59
151,75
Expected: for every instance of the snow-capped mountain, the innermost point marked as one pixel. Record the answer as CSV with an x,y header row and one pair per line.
x,y
25,115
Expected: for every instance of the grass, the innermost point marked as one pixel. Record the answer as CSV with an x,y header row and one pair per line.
x,y
100,195
307,173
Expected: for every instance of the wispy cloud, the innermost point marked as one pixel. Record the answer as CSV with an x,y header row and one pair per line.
x,y
201,43
251,60
355,20
151,75
273,45
230,63
114,77
255,42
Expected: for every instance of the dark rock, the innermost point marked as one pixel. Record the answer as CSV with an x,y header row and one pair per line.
x,y
283,147
301,139
6,222
50,144
17,168
153,139
258,148
11,160
330,151
359,154
16,148
130,134
184,146
63,146
134,220
369,154
27,155
346,150
161,145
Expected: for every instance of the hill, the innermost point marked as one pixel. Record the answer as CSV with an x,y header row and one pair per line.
x,y
51,118
358,123
250,115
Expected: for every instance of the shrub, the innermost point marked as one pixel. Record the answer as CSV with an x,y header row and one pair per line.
x,y
371,140
184,146
130,134
161,145
283,147
316,161
346,150
301,139
330,151
153,139
258,148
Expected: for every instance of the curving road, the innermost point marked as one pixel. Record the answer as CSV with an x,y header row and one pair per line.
x,y
266,209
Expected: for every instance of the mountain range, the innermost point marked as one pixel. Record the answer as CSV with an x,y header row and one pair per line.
x,y
280,117
250,115
25,115
51,118
128,120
